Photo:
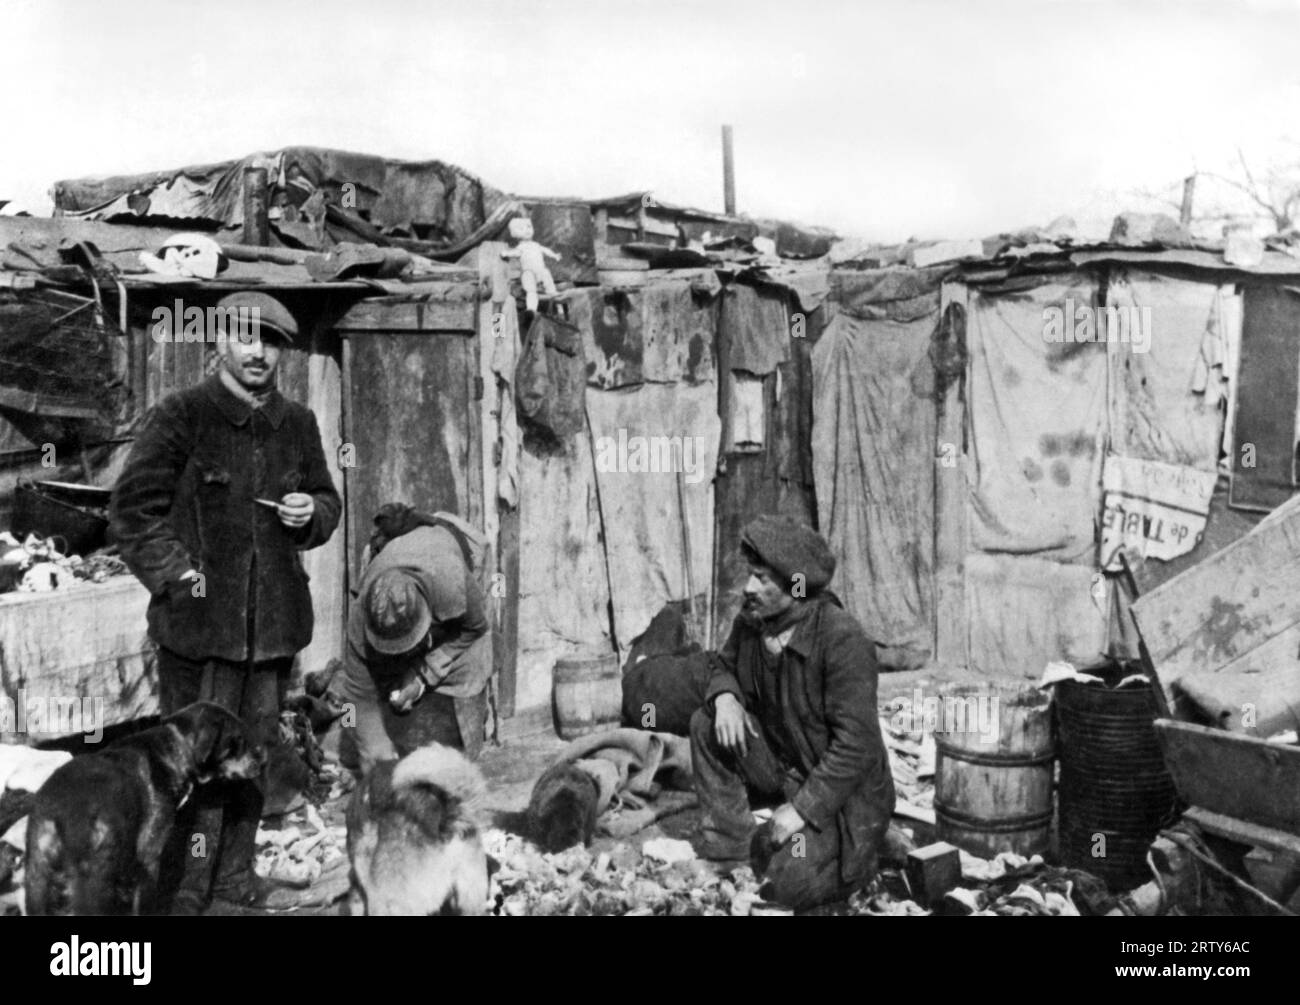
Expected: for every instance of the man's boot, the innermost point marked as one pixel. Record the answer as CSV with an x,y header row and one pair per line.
x,y
235,883
195,844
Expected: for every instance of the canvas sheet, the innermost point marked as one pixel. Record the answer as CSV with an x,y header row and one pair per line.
x,y
1170,380
757,324
1025,612
432,199
655,453
1037,415
873,449
662,332
563,584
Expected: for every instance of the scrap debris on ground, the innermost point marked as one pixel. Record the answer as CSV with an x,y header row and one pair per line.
x,y
912,756
661,877
634,869
39,565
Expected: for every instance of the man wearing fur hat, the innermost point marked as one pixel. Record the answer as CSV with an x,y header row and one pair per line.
x,y
791,717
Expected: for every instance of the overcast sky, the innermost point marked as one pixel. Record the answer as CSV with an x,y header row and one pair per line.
x,y
882,119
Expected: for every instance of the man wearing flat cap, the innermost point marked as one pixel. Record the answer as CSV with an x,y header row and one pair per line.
x,y
419,649
225,485
791,717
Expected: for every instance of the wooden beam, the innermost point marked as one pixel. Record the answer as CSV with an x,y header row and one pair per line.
x,y
508,685
1233,775
728,172
1225,628
44,404
1243,831
257,226
459,316
1189,194
952,638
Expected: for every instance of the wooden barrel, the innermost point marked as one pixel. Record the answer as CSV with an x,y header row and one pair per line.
x,y
588,695
993,771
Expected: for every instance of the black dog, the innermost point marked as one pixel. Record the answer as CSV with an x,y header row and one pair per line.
x,y
562,810
96,833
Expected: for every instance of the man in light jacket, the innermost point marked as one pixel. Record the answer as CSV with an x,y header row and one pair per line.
x,y
418,655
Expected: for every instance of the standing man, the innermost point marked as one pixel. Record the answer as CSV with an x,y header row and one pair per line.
x,y
231,605
791,715
419,649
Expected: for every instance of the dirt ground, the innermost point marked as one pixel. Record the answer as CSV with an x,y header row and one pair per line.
x,y
511,769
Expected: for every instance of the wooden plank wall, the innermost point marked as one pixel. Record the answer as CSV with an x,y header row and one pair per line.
x,y
312,376
758,483
952,625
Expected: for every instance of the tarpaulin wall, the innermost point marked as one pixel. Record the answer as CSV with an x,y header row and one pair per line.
x,y
616,497
873,452
1042,414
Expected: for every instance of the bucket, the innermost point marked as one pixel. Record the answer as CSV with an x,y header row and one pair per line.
x,y
588,695
1115,790
993,787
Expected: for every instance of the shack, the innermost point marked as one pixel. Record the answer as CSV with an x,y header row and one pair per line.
x,y
1022,450
893,397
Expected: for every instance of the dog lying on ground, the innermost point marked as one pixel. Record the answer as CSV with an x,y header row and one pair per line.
x,y
594,771
414,837
563,809
99,824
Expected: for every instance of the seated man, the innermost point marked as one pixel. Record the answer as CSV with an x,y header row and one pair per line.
x,y
791,715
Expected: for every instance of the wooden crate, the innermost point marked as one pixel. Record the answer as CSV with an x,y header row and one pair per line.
x,y
86,641
1234,776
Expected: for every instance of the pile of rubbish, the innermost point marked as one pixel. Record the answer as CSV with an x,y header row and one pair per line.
x,y
663,877
1008,886
38,565
912,757
300,849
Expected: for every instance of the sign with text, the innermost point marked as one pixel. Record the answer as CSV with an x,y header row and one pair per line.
x,y
1151,510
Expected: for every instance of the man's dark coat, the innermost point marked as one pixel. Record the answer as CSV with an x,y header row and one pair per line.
x,y
827,701
185,500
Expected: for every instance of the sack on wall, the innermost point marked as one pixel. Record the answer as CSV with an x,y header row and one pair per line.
x,y
550,381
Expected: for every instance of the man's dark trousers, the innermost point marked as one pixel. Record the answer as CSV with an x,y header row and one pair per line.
x,y
224,814
805,871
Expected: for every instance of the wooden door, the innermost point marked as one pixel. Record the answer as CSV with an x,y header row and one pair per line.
x,y
412,430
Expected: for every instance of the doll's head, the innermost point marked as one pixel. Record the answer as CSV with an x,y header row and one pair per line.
x,y
521,229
